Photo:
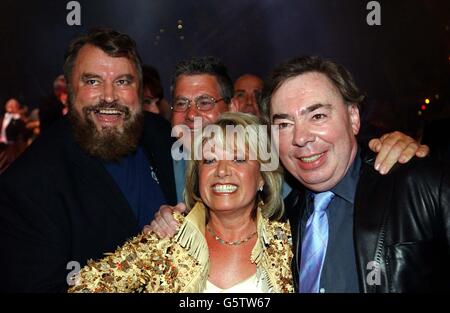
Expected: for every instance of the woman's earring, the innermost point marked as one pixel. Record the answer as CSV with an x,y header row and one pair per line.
x,y
261,188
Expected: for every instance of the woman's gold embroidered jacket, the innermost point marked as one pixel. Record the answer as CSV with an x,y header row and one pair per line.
x,y
181,264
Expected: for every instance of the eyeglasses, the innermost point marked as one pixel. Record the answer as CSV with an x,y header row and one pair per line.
x,y
203,103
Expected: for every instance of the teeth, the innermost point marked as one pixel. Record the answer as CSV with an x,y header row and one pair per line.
x,y
311,158
224,188
109,111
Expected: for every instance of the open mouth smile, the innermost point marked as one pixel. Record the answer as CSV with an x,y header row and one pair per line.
x,y
224,188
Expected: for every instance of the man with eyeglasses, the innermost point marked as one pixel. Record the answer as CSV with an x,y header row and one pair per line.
x,y
200,88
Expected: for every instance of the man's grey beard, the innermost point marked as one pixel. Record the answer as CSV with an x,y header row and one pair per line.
x,y
110,144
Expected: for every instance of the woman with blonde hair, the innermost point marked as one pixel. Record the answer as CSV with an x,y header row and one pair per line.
x,y
230,241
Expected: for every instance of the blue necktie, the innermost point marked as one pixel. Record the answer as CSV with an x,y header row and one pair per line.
x,y
314,244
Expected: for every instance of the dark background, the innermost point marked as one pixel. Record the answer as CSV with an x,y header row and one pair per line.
x,y
398,64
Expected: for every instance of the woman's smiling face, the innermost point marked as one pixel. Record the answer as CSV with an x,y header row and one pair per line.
x,y
227,182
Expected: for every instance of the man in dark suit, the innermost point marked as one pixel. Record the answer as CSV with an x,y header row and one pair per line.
x,y
13,134
94,179
354,230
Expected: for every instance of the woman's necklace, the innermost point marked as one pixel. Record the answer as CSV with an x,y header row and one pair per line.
x,y
231,243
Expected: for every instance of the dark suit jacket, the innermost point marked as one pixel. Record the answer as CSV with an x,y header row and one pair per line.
x,y
57,205
401,221
15,130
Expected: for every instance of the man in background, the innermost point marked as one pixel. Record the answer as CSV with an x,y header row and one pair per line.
x,y
55,106
247,92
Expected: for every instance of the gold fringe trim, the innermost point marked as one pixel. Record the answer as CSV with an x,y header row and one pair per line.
x,y
272,254
191,237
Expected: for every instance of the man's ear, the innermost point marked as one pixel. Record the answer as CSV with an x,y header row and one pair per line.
x,y
353,113
234,105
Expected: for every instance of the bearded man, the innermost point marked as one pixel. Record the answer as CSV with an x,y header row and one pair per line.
x,y
94,179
